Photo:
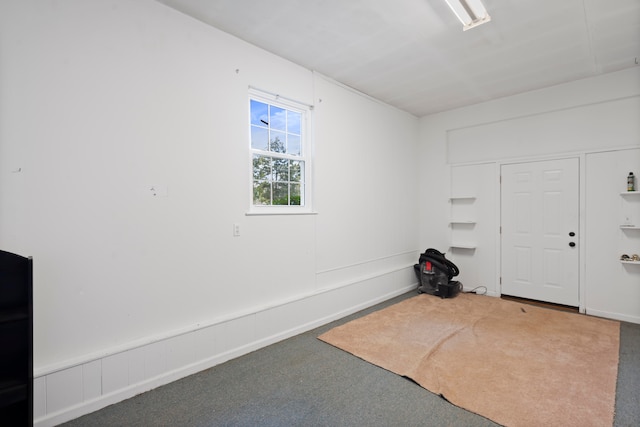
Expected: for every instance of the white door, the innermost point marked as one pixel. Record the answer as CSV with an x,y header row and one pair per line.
x,y
539,218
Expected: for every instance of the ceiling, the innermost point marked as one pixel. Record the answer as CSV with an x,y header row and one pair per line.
x,y
413,54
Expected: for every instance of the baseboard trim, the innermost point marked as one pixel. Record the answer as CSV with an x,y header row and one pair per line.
x,y
614,316
51,410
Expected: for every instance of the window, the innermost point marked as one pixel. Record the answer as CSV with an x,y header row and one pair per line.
x,y
279,155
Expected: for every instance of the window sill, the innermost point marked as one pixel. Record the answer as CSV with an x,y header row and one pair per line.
x,y
278,213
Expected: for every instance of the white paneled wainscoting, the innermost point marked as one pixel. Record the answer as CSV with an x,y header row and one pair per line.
x,y
62,393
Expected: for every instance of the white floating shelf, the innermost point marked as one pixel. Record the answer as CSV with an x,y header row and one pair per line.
x,y
462,198
630,262
630,227
461,222
463,245
630,193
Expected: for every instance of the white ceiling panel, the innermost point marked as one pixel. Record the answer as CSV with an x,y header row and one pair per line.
x,y
414,55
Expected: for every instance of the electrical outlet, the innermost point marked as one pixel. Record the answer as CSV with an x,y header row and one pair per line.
x,y
236,230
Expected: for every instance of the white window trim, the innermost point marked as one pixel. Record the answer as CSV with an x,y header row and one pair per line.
x,y
307,154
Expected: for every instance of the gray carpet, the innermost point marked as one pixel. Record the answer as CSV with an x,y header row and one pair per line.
x,y
303,381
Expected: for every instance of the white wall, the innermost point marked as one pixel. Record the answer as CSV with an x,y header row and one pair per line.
x,y
102,100
577,119
367,192
613,288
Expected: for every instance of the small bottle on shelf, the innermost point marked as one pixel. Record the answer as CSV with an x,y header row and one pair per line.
x,y
631,184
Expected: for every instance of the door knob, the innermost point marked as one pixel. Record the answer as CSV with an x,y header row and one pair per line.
x,y
572,244
572,234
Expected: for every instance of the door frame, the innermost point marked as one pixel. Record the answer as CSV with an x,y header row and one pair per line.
x,y
581,218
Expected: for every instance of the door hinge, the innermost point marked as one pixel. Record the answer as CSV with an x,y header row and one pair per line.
x,y
501,280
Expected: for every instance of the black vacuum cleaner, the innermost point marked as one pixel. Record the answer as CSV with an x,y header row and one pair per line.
x,y
435,272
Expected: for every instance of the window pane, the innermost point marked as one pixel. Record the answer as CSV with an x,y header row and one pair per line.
x,y
295,171
277,142
278,118
293,122
293,145
280,193
295,194
259,113
261,193
280,169
261,167
259,138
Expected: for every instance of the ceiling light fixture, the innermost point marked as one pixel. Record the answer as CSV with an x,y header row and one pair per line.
x,y
470,12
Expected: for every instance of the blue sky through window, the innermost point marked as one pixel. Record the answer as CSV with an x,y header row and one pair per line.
x,y
269,122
